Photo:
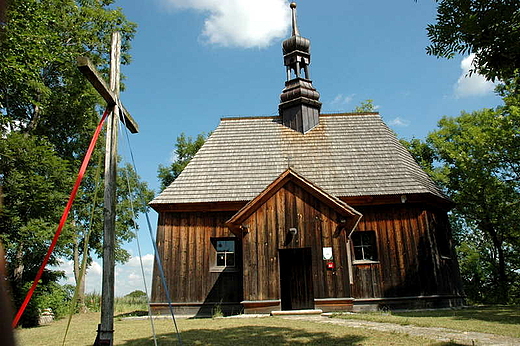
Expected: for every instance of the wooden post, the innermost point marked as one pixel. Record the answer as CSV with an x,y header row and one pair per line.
x,y
111,95
106,330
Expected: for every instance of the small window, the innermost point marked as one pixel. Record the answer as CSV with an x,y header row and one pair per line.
x,y
364,244
442,236
225,252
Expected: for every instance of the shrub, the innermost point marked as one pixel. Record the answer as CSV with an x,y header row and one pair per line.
x,y
136,294
50,295
56,297
93,301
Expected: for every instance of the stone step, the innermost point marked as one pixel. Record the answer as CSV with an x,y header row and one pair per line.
x,y
297,312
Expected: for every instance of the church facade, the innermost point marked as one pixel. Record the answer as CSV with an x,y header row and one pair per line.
x,y
304,211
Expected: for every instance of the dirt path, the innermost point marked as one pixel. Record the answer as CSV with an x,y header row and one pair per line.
x,y
437,334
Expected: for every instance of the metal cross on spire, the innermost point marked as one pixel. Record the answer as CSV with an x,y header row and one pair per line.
x,y
111,95
295,31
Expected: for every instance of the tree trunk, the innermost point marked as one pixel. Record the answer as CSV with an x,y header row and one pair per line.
x,y
34,119
19,267
502,277
5,305
77,273
502,284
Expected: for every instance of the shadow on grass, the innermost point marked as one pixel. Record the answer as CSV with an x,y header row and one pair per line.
x,y
500,314
132,314
251,336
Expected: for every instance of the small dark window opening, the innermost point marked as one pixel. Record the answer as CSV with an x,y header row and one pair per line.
x,y
364,244
442,236
225,252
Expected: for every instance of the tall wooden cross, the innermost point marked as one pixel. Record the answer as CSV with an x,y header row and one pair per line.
x,y
111,95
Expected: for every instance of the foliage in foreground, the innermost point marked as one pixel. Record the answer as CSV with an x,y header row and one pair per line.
x,y
488,28
48,112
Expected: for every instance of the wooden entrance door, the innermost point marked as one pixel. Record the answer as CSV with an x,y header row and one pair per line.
x,y
296,279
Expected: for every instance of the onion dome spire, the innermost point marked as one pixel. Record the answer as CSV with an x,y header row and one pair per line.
x,y
296,43
299,106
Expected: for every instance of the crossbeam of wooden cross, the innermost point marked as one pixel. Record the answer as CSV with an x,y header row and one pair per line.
x,y
89,70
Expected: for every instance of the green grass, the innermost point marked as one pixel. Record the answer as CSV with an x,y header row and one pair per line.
x,y
121,304
221,331
501,320
125,304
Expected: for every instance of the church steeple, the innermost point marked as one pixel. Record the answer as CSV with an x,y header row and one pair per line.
x,y
299,102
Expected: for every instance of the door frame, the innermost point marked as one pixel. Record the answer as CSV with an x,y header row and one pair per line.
x,y
286,294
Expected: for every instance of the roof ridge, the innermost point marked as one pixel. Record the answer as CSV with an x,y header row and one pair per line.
x,y
348,114
244,117
248,117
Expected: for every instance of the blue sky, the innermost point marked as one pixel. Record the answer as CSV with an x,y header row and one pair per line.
x,y
195,61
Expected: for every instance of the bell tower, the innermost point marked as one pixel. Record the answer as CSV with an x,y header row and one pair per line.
x,y
299,102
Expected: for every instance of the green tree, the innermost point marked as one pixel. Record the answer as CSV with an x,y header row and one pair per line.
x,y
423,154
488,28
136,294
475,158
132,194
49,108
35,184
3,7
185,150
366,106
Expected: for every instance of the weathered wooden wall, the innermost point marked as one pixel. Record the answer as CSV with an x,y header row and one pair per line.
x,y
410,264
409,239
183,239
293,207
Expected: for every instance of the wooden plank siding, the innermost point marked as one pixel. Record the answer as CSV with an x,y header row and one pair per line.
x,y
185,248
412,258
409,261
293,207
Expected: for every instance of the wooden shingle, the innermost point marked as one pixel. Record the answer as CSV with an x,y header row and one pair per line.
x,y
346,155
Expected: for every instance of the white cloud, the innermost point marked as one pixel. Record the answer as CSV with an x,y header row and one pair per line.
x,y
341,99
135,262
474,85
67,267
128,276
93,277
95,268
239,23
133,276
398,121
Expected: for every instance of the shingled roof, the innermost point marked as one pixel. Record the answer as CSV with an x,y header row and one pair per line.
x,y
346,155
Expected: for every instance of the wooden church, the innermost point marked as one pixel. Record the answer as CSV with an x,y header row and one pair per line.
x,y
304,211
